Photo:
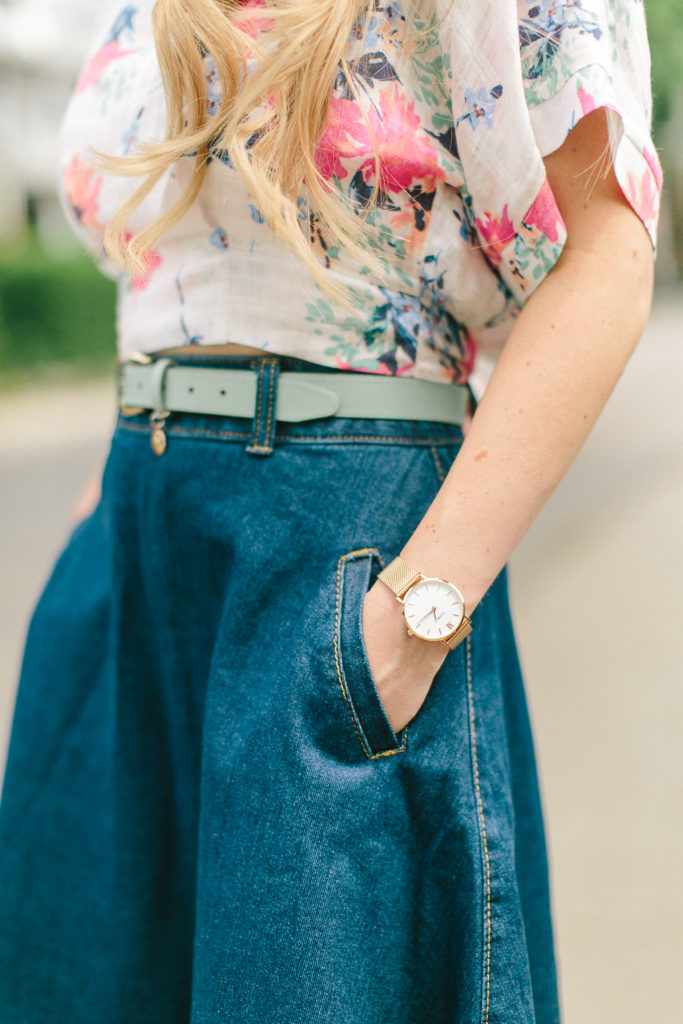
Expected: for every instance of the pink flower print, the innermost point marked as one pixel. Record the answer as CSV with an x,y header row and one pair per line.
x,y
644,198
341,364
98,64
251,25
344,135
586,100
139,282
469,355
82,188
401,371
544,214
405,152
497,232
652,161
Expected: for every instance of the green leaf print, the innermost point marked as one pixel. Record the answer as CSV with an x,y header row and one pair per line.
x,y
320,310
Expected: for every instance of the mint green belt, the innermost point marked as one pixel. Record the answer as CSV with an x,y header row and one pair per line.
x,y
163,385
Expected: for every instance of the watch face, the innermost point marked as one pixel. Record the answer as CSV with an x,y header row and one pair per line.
x,y
433,609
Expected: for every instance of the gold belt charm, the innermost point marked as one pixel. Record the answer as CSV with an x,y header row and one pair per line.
x,y
157,438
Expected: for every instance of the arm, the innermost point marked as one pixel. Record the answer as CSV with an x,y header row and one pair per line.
x,y
559,365
87,499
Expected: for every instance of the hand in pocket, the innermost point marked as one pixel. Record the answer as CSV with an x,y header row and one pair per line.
x,y
403,667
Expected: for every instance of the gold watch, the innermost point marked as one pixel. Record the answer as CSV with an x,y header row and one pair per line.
x,y
433,609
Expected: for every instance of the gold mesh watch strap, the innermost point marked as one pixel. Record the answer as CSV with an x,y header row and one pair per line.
x,y
398,576
463,630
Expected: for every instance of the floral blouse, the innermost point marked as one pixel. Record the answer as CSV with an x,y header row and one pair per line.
x,y
463,100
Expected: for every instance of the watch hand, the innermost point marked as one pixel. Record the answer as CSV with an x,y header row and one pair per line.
x,y
426,616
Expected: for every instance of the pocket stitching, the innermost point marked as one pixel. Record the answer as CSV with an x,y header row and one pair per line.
x,y
368,753
486,983
437,463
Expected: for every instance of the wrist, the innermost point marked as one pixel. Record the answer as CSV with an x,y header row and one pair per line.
x,y
382,608
433,608
434,560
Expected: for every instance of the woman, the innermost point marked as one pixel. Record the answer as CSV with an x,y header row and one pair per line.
x,y
244,783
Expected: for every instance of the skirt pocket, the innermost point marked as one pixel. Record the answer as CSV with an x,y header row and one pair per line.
x,y
355,573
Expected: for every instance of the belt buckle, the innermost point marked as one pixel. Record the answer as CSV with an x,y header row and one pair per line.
x,y
135,410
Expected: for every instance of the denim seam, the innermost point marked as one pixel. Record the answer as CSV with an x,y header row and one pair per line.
x,y
199,432
388,439
141,428
256,426
437,463
368,753
480,809
271,393
263,444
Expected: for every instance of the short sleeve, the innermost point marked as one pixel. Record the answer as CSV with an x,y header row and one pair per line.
x,y
579,55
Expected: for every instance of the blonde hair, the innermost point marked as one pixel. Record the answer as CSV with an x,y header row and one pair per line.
x,y
270,121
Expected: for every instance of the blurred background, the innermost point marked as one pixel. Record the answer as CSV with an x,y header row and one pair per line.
x,y
596,585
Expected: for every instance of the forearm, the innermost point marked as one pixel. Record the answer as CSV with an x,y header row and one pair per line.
x,y
557,369
88,498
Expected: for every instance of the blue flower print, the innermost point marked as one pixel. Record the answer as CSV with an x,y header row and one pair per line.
x,y
215,153
124,22
130,136
464,214
545,26
190,339
391,14
480,106
371,40
214,94
219,238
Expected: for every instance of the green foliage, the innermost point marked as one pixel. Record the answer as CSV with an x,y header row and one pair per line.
x,y
665,32
53,312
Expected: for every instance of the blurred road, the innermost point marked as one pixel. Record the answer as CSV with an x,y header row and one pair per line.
x,y
596,590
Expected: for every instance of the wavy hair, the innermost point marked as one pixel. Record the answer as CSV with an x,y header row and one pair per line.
x,y
269,120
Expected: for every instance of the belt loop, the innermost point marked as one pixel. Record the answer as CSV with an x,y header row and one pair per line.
x,y
158,378
263,430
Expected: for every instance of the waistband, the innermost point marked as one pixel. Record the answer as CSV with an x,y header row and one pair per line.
x,y
285,395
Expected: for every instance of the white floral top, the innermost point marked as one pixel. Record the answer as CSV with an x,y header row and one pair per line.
x,y
463,108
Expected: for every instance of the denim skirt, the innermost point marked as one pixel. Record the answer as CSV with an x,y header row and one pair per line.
x,y
206,815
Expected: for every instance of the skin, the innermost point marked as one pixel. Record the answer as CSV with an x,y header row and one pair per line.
x,y
558,366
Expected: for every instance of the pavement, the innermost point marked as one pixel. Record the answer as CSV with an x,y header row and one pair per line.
x,y
596,595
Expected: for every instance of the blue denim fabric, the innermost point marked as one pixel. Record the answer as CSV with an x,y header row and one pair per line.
x,y
206,815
